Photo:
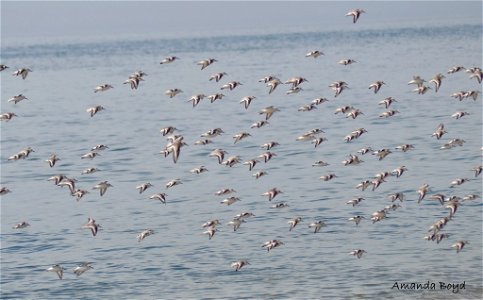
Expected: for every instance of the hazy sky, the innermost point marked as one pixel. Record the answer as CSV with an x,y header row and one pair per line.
x,y
80,19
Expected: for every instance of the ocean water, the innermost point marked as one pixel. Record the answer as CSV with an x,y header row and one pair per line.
x,y
179,261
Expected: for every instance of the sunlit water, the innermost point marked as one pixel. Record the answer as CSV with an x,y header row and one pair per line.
x,y
178,261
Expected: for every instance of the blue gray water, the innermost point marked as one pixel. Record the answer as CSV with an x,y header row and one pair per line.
x,y
178,261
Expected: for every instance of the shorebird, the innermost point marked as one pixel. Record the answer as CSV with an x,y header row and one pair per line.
x,y
168,60
90,170
206,62
167,130
83,267
470,197
472,94
318,101
236,223
317,225
399,171
133,81
475,73
294,90
217,77
439,131
459,114
436,80
354,113
382,153
455,69
21,225
267,79
259,124
172,92
365,150
247,100
388,113
94,110
58,269
272,193
212,133
173,182
4,191
143,187
17,98
307,107
230,200
203,142
102,187
453,207
159,196
396,196
78,194
24,153
231,161
214,97
422,89
418,81
24,72
99,147
196,99
294,222
211,223
458,181
225,191
357,219
244,215
358,252
266,156
355,201
239,136
318,141
251,164
231,85
270,145
404,147
422,191
57,178
355,14
210,232
320,163
259,174
376,86
52,160
295,81
90,155
3,67
144,234
199,170
387,102
378,215
91,224
328,177
314,53
459,245
269,245
346,62
103,88
477,170
69,182
272,84
239,264
175,147
279,205
7,116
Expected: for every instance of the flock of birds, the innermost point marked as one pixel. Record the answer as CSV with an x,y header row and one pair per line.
x,y
176,142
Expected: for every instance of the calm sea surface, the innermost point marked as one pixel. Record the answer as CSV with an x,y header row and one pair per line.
x,y
179,261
